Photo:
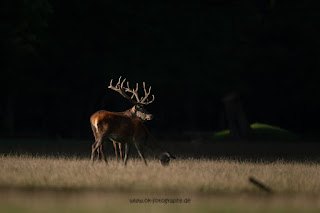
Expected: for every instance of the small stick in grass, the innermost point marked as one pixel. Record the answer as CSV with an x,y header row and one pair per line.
x,y
260,185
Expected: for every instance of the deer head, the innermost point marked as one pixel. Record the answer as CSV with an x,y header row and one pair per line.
x,y
138,110
165,158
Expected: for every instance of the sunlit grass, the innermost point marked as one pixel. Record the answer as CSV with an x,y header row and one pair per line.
x,y
59,184
184,175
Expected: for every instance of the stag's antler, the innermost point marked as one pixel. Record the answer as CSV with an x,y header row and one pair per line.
x,y
122,90
145,99
119,88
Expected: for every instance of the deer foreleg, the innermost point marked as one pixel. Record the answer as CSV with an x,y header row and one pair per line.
x,y
141,153
115,149
120,150
102,155
126,154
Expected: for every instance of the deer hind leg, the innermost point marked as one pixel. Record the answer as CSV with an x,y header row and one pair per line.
x,y
95,146
141,153
126,153
95,134
93,149
115,149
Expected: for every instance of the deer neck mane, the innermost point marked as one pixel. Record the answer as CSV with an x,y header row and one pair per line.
x,y
130,112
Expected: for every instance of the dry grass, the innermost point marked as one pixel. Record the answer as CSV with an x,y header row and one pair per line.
x,y
190,175
48,184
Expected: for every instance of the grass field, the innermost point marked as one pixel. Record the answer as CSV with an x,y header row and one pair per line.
x,y
71,184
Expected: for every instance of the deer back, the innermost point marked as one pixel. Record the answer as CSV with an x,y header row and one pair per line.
x,y
116,126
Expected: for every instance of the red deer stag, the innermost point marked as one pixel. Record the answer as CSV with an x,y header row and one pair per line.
x,y
137,111
126,129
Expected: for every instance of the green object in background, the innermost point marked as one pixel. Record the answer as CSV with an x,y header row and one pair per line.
x,y
260,131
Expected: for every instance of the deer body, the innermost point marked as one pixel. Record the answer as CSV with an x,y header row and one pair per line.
x,y
137,111
123,129
112,124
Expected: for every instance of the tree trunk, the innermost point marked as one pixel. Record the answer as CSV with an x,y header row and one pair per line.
x,y
236,118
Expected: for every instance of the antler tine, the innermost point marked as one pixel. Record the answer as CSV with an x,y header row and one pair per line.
x,y
110,85
144,87
127,89
149,102
144,100
119,88
119,81
133,91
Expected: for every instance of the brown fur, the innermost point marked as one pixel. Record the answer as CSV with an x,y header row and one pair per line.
x,y
136,111
121,128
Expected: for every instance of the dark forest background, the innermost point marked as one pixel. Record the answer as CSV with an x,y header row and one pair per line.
x,y
59,56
